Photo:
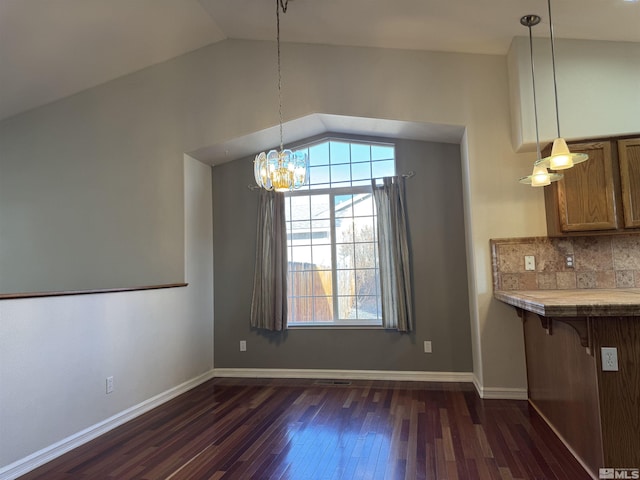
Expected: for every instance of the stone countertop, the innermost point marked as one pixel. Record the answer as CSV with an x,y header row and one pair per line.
x,y
597,302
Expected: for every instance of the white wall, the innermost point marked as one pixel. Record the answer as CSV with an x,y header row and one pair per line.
x,y
86,180
598,89
56,352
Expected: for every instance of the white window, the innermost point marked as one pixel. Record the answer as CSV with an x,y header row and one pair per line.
x,y
331,235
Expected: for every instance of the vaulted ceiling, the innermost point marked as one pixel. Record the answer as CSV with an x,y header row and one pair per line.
x,y
50,49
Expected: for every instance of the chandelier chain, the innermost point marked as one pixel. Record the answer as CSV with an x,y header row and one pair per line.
x,y
283,170
280,4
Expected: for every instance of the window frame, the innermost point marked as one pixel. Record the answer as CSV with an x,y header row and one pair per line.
x,y
333,192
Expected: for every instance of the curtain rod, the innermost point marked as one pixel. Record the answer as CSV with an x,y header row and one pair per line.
x,y
409,174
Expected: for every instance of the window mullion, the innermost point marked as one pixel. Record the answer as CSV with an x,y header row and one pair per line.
x,y
334,256
313,272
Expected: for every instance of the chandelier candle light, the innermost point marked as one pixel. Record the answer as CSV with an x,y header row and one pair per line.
x,y
282,170
540,176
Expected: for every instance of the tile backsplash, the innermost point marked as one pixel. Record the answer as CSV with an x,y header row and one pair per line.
x,y
607,261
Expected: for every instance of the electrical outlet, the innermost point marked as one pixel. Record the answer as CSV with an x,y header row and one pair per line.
x,y
609,359
243,345
109,385
427,346
569,261
529,262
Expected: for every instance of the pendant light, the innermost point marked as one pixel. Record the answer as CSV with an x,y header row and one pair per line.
x,y
561,158
540,176
282,170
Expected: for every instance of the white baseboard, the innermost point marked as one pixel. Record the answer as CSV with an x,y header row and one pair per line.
x,y
39,458
483,392
344,374
499,393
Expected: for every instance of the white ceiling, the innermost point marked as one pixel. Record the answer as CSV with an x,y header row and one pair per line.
x,y
320,123
50,49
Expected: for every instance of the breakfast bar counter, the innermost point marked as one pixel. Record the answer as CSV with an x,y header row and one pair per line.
x,y
594,302
591,403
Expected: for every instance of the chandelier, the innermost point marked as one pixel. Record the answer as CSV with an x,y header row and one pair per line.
x,y
281,170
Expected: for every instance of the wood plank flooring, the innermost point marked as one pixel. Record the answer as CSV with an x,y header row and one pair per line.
x,y
301,429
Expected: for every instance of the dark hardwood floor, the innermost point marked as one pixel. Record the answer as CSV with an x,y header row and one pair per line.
x,y
301,429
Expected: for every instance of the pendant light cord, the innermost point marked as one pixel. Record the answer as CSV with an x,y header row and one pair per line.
x,y
553,66
535,103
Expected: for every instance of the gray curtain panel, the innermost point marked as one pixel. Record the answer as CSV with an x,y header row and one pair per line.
x,y
269,302
393,252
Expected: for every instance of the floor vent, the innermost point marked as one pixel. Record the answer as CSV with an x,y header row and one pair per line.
x,y
332,382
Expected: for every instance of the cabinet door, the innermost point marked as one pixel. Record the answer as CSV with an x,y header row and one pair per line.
x,y
629,153
586,195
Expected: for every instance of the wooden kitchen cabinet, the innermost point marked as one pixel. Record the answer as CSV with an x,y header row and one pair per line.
x,y
629,153
599,196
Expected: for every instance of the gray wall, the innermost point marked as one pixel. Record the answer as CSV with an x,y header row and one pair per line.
x,y
435,210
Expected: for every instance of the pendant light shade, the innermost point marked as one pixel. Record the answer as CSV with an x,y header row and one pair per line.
x,y
540,176
561,158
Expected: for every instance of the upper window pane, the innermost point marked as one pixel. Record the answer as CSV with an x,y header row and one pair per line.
x,y
385,168
342,163
339,152
382,152
360,152
318,175
340,173
319,154
361,171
